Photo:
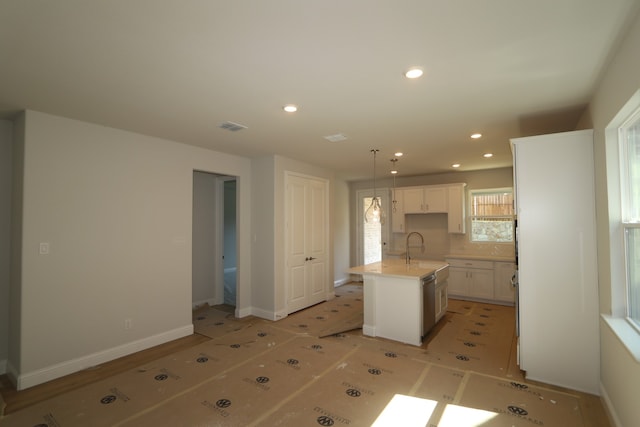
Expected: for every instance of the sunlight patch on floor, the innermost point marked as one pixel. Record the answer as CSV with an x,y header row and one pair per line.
x,y
409,411
461,416
406,411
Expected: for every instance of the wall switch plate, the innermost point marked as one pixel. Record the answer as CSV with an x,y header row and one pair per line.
x,y
44,248
128,324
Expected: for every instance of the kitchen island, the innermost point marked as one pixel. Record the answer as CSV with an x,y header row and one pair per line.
x,y
403,301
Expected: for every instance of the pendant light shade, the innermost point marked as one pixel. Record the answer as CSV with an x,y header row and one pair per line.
x,y
374,213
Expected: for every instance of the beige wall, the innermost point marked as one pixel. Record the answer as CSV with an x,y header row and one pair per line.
x,y
620,371
116,209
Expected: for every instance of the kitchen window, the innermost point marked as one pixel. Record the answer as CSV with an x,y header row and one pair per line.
x,y
491,215
629,140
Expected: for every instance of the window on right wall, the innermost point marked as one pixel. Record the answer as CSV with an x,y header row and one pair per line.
x,y
491,215
629,149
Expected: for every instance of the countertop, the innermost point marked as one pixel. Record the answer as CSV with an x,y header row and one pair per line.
x,y
398,268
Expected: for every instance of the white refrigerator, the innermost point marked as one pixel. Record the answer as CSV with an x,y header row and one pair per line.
x,y
557,265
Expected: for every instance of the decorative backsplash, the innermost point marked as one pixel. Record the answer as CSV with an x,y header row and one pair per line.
x,y
439,242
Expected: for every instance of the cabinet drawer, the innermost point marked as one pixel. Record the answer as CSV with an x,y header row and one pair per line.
x,y
470,263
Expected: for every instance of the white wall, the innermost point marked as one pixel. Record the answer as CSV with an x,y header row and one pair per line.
x,y
116,209
263,237
6,135
620,372
341,232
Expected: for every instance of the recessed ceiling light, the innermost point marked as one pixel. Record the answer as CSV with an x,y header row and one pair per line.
x,y
487,155
290,108
414,73
398,154
476,135
455,165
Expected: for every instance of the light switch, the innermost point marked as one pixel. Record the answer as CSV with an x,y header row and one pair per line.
x,y
44,248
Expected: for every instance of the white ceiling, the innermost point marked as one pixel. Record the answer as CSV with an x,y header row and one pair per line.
x,y
177,69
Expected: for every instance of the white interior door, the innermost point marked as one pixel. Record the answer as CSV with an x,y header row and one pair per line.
x,y
306,221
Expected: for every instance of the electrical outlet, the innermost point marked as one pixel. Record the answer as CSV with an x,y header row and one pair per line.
x,y
128,324
44,248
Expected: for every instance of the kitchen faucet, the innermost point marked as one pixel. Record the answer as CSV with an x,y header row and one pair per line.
x,y
407,257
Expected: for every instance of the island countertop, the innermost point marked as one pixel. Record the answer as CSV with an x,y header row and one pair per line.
x,y
417,269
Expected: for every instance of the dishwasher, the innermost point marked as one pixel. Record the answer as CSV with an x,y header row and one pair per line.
x,y
428,303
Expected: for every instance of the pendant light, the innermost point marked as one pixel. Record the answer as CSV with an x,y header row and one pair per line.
x,y
374,213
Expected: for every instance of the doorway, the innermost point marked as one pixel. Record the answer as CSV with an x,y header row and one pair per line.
x,y
214,239
372,237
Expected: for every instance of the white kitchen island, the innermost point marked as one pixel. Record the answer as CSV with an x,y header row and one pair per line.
x,y
394,298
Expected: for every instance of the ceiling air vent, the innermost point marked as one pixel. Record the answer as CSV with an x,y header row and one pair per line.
x,y
336,138
233,127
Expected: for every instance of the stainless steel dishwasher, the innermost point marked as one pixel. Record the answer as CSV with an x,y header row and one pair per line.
x,y
428,303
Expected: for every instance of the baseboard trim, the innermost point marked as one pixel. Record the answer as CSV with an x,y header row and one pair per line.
x,y
608,406
341,282
210,301
267,314
58,370
369,330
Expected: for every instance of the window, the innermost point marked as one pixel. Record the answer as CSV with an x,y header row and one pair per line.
x,y
491,215
629,138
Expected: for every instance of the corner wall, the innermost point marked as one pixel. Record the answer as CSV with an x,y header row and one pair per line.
x,y
620,372
6,171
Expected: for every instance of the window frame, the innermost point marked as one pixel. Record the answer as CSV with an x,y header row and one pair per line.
x,y
628,220
471,217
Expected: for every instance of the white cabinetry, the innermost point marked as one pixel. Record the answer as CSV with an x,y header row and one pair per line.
x,y
429,199
397,211
456,209
448,198
471,278
503,289
557,260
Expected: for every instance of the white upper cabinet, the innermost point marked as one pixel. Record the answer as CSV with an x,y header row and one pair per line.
x,y
428,199
456,209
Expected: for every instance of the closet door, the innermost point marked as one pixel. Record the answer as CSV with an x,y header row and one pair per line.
x,y
306,238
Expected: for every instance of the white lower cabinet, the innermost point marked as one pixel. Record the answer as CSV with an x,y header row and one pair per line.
x,y
481,280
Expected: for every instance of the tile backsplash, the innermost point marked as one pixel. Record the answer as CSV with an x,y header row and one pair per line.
x,y
439,243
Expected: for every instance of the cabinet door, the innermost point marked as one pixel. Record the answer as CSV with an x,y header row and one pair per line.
x,y
504,290
435,200
458,280
397,211
481,283
413,200
455,215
